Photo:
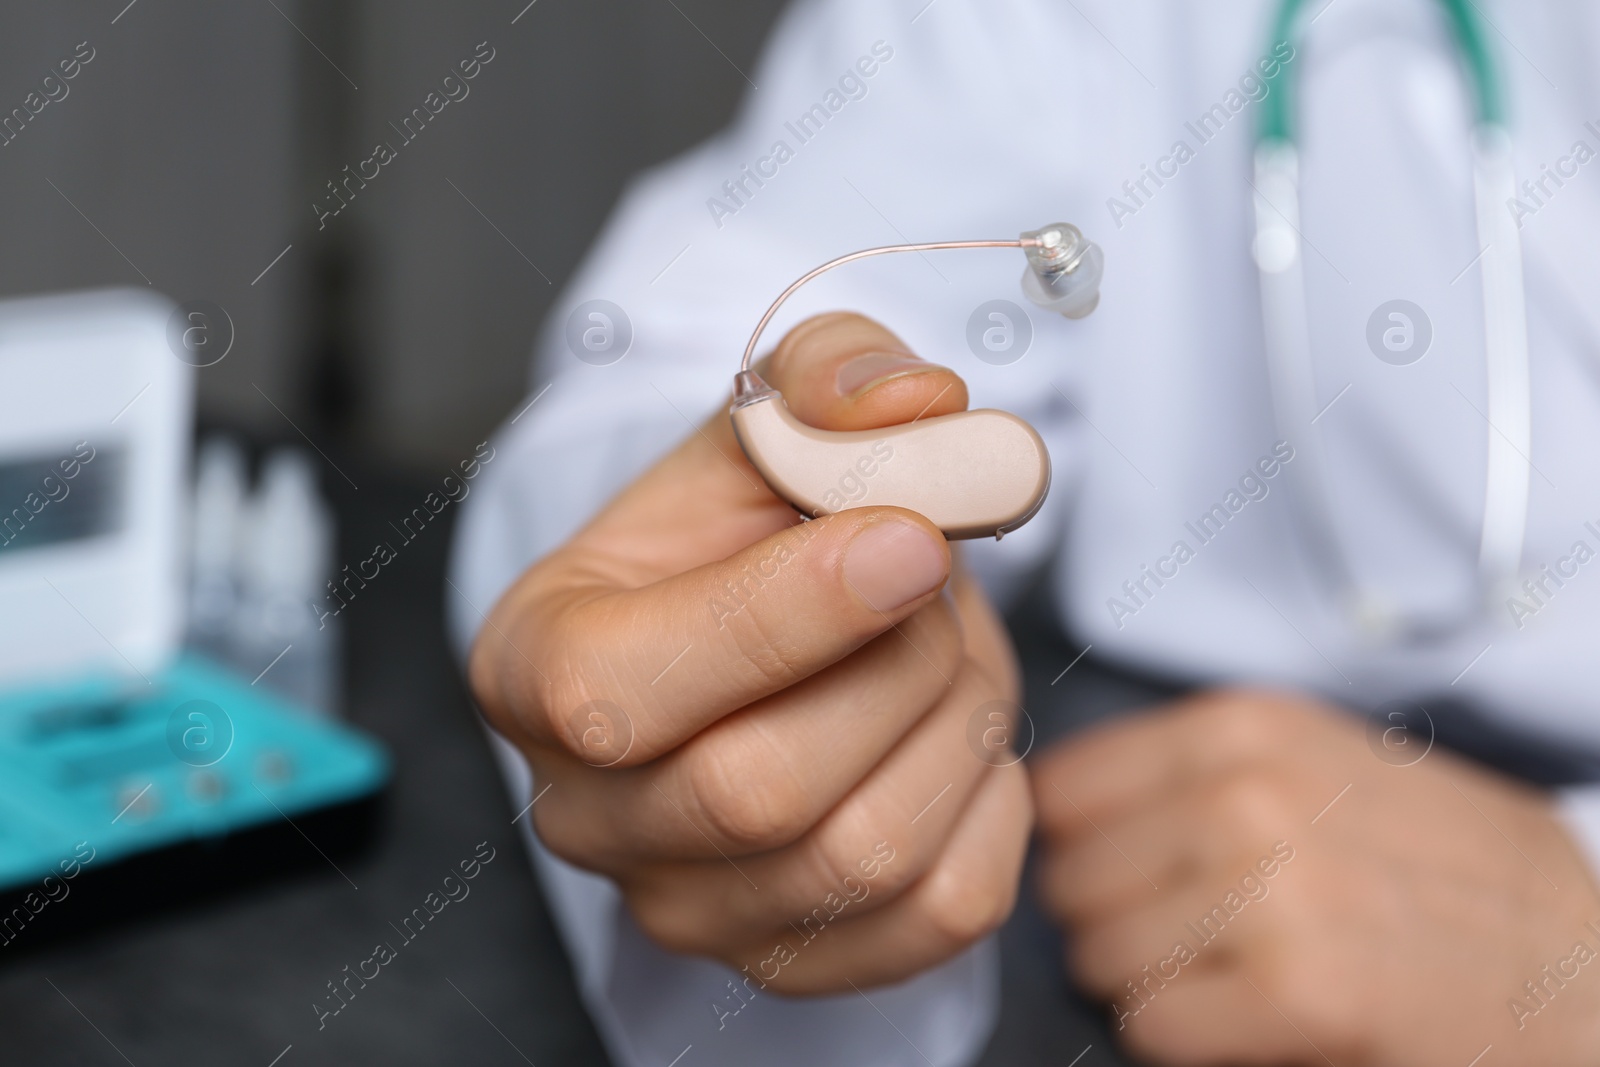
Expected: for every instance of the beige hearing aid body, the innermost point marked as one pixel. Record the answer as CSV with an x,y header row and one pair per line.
x,y
972,473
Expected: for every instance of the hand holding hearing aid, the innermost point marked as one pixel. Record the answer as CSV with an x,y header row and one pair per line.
x,y
972,473
795,695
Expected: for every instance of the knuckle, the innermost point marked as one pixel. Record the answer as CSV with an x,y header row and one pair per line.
x,y
1256,803
560,688
744,801
856,856
964,905
582,708
561,715
888,879
554,713
665,919
506,687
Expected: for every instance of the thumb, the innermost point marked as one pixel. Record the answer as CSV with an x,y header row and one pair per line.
x,y
845,372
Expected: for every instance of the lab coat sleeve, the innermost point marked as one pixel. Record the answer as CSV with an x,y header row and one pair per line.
x,y
692,256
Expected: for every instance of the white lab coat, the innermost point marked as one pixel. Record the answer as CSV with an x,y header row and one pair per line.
x,y
982,119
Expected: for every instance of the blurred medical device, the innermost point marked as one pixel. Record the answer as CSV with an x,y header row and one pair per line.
x,y
114,739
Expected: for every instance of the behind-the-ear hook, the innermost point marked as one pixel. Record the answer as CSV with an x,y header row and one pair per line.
x,y
972,473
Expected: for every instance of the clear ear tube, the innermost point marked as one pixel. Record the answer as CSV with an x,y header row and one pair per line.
x,y
972,473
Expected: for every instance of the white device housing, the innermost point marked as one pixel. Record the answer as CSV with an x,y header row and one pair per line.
x,y
94,367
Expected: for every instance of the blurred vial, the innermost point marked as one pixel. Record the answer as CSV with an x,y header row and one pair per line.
x,y
286,554
217,513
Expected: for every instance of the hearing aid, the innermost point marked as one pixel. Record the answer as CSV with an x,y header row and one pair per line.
x,y
980,473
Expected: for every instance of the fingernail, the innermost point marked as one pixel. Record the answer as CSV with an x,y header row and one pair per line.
x,y
892,563
868,370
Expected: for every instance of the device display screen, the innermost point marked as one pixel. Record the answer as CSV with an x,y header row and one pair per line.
x,y
71,495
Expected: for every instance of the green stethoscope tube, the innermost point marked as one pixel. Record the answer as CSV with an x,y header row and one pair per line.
x,y
1288,339
1277,112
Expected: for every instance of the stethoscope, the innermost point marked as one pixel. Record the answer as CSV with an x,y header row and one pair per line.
x,y
1278,255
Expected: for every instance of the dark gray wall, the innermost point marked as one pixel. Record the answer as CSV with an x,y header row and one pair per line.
x,y
202,133
175,143
581,94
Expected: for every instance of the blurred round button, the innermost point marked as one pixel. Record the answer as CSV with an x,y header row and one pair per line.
x,y
207,787
274,765
135,803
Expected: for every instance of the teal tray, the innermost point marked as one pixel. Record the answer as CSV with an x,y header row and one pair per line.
x,y
197,753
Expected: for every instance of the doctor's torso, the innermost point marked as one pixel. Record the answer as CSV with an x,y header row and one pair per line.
x,y
1170,523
